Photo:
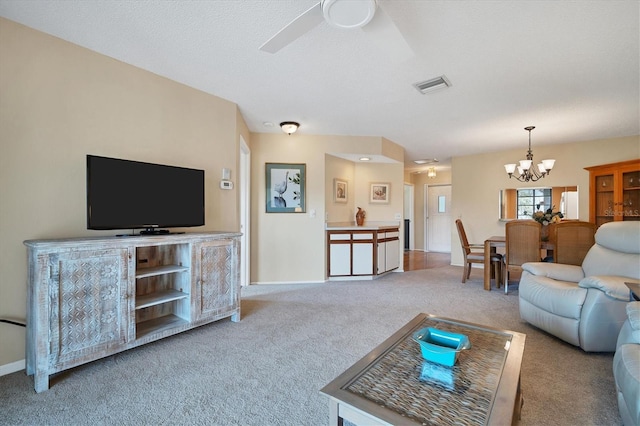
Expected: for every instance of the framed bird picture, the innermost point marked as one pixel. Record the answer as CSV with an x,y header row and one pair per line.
x,y
285,187
380,193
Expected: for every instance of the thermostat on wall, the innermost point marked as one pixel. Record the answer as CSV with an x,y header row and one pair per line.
x,y
226,184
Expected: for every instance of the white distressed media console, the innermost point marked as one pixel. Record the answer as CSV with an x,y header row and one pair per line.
x,y
92,297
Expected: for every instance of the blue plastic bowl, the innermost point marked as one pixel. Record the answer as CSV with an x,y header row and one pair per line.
x,y
441,346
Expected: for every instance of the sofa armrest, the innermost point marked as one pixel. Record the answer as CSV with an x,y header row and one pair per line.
x,y
612,285
633,312
556,271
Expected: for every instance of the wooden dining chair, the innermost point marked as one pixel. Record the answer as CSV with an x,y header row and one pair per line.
x,y
474,253
572,240
522,245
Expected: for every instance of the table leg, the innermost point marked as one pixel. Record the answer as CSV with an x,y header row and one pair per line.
x,y
487,265
334,418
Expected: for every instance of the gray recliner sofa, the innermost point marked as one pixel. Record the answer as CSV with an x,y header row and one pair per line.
x,y
626,367
585,305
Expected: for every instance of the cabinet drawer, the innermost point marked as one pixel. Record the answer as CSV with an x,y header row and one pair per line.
x,y
340,237
367,236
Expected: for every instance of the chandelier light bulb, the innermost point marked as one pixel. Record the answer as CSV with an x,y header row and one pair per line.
x,y
525,164
548,164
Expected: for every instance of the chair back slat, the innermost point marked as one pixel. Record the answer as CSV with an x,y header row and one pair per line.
x,y
522,242
572,241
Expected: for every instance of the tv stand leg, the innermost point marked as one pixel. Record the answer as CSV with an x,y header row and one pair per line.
x,y
41,381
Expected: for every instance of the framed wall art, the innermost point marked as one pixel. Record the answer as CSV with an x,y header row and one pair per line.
x,y
380,193
340,191
285,187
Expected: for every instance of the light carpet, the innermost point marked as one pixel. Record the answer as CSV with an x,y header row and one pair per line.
x,y
293,340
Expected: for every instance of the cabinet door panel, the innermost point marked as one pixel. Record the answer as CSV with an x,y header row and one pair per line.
x,y
392,257
89,303
362,258
339,259
217,279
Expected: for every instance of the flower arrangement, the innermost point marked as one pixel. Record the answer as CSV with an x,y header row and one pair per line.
x,y
547,217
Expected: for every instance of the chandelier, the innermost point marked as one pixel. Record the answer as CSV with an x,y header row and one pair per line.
x,y
526,171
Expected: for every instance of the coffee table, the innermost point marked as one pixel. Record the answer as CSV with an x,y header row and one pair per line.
x,y
394,385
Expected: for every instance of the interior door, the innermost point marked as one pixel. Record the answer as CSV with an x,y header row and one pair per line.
x,y
438,219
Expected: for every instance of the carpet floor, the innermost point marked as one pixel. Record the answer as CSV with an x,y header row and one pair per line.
x,y
292,340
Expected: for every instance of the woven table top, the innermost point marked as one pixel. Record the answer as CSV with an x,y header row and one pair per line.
x,y
431,394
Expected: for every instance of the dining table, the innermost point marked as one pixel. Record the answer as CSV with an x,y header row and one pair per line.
x,y
496,241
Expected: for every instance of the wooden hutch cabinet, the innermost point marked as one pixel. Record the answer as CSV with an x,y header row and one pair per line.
x,y
614,192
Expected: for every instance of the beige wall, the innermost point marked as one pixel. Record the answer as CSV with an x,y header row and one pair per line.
x,y
477,180
344,170
60,102
290,247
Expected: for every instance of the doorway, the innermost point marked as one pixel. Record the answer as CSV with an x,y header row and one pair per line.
x,y
438,218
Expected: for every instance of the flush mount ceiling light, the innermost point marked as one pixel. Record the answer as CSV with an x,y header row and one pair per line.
x,y
365,159
526,172
432,85
289,126
426,161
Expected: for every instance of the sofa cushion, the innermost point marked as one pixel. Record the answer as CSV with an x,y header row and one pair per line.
x,y
612,286
626,371
556,271
605,261
619,236
563,298
627,335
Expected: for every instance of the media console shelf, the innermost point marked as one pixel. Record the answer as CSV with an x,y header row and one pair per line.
x,y
89,298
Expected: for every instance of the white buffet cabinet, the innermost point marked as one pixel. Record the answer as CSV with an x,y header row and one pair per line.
x,y
92,297
361,252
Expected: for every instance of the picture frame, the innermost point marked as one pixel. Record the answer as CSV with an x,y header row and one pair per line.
x,y
340,191
285,185
380,193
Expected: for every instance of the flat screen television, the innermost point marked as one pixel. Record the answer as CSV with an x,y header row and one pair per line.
x,y
124,194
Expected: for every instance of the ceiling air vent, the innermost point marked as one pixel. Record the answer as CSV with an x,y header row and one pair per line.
x,y
433,84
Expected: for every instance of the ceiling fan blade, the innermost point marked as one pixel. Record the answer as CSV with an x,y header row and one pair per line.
x,y
386,34
299,26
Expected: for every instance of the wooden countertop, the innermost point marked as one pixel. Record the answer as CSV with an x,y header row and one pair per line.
x,y
351,226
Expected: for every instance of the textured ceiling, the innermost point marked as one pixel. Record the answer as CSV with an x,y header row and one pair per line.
x,y
570,68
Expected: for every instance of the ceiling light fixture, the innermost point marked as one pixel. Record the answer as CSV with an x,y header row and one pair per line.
x,y
426,161
365,159
526,171
289,126
431,173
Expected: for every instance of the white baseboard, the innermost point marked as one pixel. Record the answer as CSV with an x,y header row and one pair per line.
x,y
12,367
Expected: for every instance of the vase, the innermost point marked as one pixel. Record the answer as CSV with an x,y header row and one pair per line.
x,y
544,233
360,217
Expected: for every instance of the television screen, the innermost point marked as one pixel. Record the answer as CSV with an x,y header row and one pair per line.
x,y
123,194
